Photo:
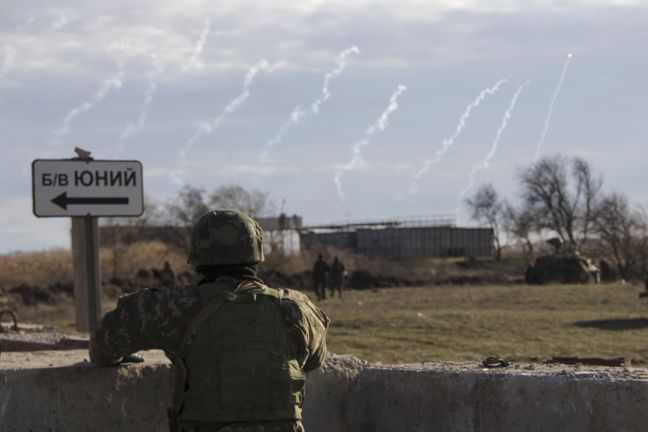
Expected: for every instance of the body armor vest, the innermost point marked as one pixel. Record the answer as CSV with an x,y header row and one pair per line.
x,y
239,365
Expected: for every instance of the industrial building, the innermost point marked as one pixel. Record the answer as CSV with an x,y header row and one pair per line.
x,y
419,237
402,238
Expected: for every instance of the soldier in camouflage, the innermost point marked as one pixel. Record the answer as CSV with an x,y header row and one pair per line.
x,y
240,348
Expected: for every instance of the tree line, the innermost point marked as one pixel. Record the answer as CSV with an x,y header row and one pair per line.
x,y
179,214
562,200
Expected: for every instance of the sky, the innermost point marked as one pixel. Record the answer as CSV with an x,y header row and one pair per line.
x,y
283,96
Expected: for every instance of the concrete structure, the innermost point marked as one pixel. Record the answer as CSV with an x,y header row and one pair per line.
x,y
405,238
61,391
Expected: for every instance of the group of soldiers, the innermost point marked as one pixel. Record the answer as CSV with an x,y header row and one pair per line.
x,y
325,274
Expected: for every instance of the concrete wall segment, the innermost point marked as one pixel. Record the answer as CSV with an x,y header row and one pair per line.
x,y
61,391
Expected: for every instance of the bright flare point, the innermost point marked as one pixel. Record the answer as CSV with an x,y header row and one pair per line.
x,y
570,55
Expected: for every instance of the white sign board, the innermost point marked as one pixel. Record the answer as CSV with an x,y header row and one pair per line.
x,y
67,187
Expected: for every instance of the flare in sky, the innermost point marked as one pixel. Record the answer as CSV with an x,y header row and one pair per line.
x,y
299,113
448,142
379,125
485,163
207,128
551,106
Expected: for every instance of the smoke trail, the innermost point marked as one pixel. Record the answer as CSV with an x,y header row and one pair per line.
x,y
60,22
551,106
113,83
326,94
298,113
153,79
208,127
448,142
485,163
194,60
379,125
8,59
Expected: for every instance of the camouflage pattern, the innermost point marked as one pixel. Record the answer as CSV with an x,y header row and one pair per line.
x,y
158,318
226,237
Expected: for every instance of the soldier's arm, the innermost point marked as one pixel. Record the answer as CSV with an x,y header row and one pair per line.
x,y
148,319
307,326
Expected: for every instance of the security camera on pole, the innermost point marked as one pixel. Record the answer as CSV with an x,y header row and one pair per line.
x,y
84,189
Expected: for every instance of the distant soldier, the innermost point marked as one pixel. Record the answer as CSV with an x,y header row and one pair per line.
x,y
240,348
320,271
167,278
337,275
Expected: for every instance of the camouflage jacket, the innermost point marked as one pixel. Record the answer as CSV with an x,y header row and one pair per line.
x,y
158,318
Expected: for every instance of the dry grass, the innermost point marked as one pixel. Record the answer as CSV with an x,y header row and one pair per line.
x,y
44,268
471,322
454,323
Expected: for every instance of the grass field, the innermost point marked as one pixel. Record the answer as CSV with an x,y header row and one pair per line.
x,y
470,322
518,322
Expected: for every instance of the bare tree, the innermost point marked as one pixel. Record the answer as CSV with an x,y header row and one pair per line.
x,y
618,229
561,193
520,225
486,206
183,212
253,202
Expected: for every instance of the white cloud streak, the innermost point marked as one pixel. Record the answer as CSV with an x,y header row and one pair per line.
x,y
194,61
299,113
449,142
551,106
8,59
485,163
207,128
380,124
153,79
113,83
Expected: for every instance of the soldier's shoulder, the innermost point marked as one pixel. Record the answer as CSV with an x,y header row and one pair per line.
x,y
187,294
300,309
293,295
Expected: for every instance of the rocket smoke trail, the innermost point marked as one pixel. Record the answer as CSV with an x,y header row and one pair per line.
x,y
298,113
485,163
551,106
8,59
448,142
208,127
194,60
379,125
132,128
113,83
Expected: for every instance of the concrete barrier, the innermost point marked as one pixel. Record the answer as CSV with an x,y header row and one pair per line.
x,y
61,391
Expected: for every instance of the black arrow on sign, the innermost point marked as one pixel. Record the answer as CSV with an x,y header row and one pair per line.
x,y
63,201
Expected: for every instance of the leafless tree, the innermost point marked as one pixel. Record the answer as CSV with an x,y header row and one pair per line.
x,y
561,194
181,213
487,207
622,233
253,202
520,225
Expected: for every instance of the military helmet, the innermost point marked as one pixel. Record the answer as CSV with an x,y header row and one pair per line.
x,y
225,237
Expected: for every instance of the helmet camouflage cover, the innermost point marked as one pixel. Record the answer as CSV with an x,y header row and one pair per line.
x,y
226,237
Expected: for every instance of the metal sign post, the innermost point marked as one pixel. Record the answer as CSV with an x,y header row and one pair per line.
x,y
85,189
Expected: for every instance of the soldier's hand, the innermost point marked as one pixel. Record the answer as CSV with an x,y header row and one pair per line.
x,y
132,358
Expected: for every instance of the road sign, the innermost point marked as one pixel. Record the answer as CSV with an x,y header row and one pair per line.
x,y
68,187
